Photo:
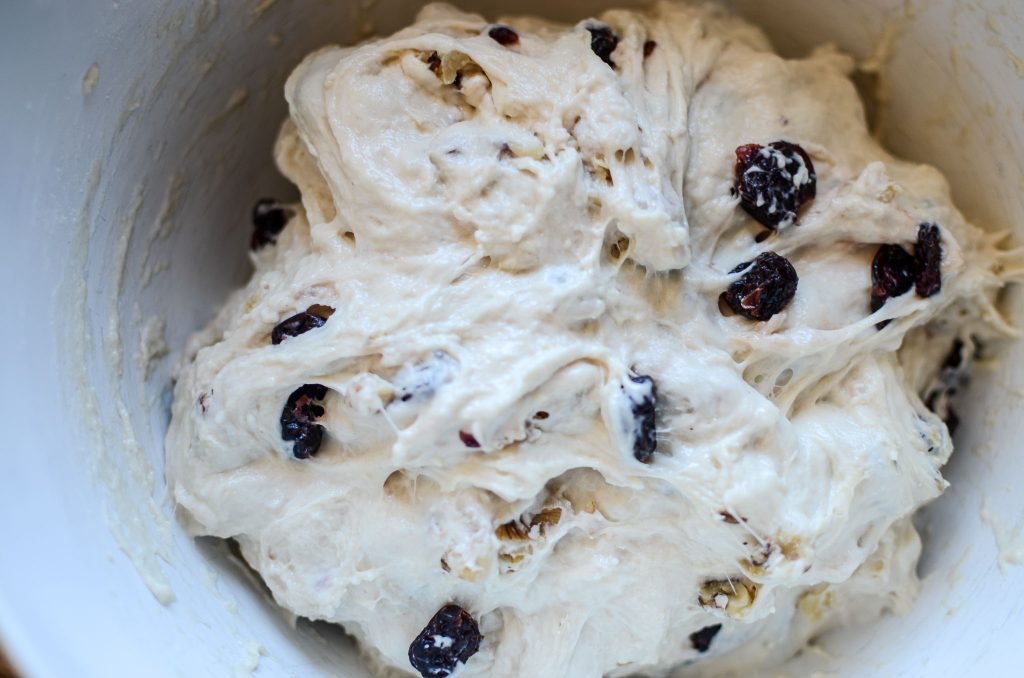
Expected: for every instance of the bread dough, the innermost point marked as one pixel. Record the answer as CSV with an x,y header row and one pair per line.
x,y
507,234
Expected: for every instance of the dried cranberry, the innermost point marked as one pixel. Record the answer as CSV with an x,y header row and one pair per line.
x,y
298,420
929,260
504,35
892,274
701,640
649,48
468,439
300,323
767,286
774,181
603,42
643,398
447,641
307,441
269,218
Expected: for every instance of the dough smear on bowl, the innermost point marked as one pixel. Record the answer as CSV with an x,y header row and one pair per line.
x,y
590,350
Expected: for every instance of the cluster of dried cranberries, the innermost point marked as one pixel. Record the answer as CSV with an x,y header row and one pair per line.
x,y
773,183
298,420
894,270
303,408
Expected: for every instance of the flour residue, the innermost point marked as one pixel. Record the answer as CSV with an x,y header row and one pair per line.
x,y
164,223
152,346
145,544
996,40
261,8
250,660
119,463
234,102
91,78
1009,540
131,103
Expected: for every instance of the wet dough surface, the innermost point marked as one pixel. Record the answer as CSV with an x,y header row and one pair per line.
x,y
505,239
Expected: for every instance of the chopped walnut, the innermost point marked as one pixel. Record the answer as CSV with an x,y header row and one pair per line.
x,y
815,603
520,529
520,535
512,558
732,596
512,531
321,310
790,547
548,516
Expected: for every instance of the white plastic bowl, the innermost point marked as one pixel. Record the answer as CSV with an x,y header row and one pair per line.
x,y
135,137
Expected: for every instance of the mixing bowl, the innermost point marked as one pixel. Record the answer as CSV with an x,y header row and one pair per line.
x,y
136,136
